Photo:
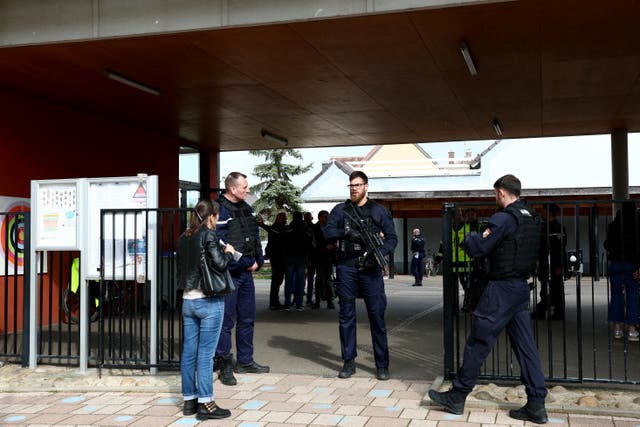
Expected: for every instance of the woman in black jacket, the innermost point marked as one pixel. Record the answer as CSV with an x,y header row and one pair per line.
x,y
202,315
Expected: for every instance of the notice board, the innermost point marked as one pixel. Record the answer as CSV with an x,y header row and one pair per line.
x,y
125,235
56,214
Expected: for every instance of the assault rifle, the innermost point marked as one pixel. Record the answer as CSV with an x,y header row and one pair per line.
x,y
371,239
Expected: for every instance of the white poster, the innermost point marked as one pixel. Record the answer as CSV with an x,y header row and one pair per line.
x,y
124,233
57,213
12,234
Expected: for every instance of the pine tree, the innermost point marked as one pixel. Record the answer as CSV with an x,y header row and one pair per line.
x,y
275,189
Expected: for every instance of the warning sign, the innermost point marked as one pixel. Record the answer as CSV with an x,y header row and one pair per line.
x,y
140,196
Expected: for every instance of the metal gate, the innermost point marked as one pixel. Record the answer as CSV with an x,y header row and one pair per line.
x,y
577,345
139,324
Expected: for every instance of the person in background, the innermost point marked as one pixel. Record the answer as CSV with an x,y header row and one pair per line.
x,y
552,268
623,254
504,303
296,255
237,225
417,257
201,315
311,261
324,254
274,251
360,275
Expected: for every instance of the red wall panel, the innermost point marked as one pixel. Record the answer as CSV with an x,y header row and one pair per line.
x,y
40,140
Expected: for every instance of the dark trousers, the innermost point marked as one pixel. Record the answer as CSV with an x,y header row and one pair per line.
x,y
503,304
277,276
311,274
552,295
417,267
324,290
239,306
367,284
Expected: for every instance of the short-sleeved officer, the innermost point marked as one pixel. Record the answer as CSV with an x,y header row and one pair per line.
x,y
357,272
511,242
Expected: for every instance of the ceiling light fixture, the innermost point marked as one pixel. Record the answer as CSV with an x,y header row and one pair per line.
x,y
129,82
269,136
497,127
468,59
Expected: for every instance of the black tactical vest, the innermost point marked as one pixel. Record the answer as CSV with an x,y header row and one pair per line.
x,y
517,254
351,250
241,228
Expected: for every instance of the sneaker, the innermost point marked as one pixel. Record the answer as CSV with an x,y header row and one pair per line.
x,y
348,369
617,333
300,308
276,307
287,308
251,368
190,407
633,335
211,411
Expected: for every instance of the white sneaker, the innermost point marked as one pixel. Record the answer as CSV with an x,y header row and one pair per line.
x,y
617,333
633,335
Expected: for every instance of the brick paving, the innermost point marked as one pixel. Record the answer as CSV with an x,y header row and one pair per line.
x,y
29,398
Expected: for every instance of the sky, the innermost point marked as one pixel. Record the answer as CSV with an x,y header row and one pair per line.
x,y
242,161
595,147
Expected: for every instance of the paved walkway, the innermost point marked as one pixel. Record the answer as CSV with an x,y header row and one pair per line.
x,y
63,397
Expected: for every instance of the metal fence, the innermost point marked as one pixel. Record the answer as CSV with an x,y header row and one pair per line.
x,y
134,307
570,306
14,290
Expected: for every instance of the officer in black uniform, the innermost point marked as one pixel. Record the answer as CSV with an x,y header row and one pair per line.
x,y
511,242
358,274
237,225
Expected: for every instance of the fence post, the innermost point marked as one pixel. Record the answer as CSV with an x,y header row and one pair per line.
x,y
26,289
449,288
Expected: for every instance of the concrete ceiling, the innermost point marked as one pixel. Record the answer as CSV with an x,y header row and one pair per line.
x,y
546,68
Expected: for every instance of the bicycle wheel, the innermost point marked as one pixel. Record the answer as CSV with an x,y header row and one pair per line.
x,y
119,298
71,306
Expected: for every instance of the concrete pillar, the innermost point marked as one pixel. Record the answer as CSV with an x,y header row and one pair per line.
x,y
619,164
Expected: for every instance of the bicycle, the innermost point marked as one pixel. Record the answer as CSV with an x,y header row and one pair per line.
x,y
116,296
429,265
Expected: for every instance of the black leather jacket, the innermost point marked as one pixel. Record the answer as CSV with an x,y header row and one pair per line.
x,y
188,257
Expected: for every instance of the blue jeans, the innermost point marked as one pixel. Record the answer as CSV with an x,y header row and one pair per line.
x,y
622,284
202,322
294,283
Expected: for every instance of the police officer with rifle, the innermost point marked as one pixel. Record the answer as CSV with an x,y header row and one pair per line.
x,y
511,241
365,235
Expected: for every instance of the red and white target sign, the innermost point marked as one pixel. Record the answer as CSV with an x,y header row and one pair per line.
x,y
12,222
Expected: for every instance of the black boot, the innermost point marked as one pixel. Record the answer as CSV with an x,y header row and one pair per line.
x,y
348,369
226,371
534,412
190,407
211,411
218,363
452,400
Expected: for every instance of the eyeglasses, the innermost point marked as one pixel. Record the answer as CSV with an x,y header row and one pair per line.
x,y
356,185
